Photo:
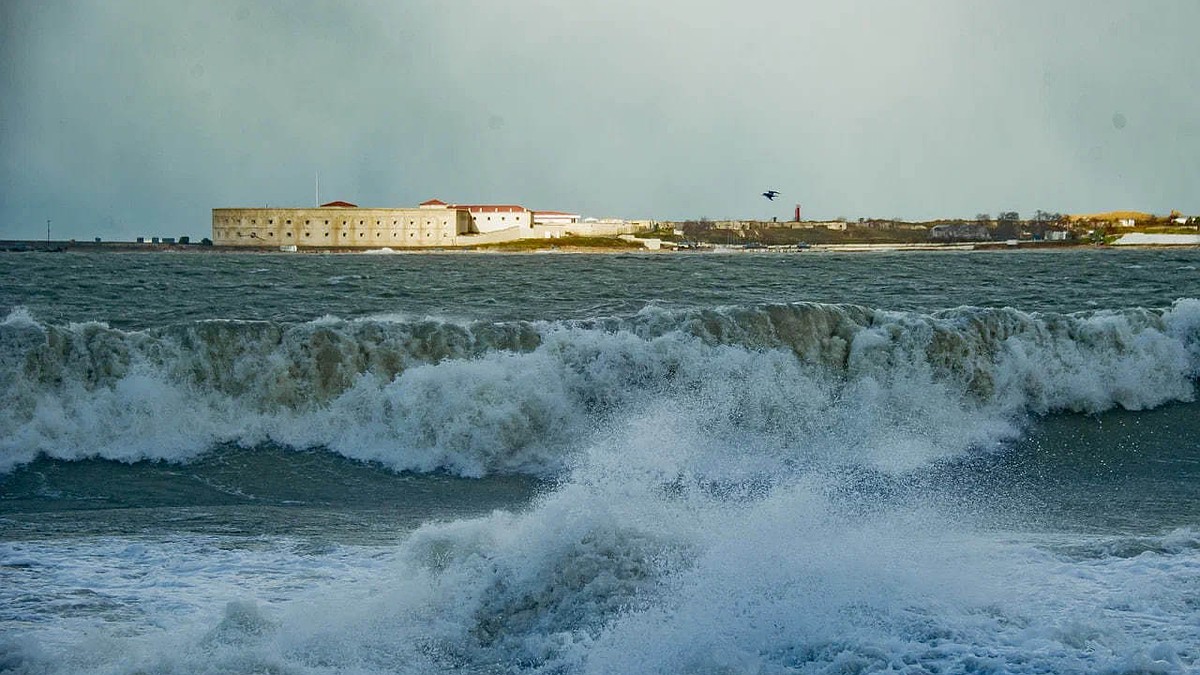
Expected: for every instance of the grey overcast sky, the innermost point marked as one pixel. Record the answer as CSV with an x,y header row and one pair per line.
x,y
121,118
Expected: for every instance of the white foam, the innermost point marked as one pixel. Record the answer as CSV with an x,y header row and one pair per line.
x,y
887,390
606,575
19,317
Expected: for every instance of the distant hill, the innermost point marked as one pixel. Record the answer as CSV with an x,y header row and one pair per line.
x,y
1136,216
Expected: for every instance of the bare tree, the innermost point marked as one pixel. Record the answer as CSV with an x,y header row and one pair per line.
x,y
694,229
1008,225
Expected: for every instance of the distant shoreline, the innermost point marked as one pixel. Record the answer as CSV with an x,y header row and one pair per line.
x,y
37,246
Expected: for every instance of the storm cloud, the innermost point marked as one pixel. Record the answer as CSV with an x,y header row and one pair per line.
x,y
126,118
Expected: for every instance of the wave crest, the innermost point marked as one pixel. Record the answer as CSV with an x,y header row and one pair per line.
x,y
852,383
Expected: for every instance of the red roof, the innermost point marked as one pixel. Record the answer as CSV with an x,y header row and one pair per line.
x,y
340,205
433,202
494,208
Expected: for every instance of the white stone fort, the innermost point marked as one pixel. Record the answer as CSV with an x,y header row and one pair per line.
x,y
433,223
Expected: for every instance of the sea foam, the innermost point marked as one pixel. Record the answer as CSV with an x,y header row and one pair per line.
x,y
479,398
720,503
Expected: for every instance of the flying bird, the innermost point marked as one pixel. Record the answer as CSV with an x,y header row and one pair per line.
x,y
771,194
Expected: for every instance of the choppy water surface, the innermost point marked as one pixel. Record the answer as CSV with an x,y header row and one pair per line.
x,y
144,290
919,462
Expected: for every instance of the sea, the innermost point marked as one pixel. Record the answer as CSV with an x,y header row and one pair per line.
x,y
916,462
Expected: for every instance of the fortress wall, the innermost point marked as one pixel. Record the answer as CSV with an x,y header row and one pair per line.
x,y
497,221
339,227
601,228
512,233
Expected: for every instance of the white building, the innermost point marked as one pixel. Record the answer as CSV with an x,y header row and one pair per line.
x,y
554,218
489,218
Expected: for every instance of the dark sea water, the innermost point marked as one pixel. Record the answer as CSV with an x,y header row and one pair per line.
x,y
780,463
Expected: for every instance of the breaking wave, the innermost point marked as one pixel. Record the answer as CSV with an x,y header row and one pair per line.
x,y
797,384
609,575
729,493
